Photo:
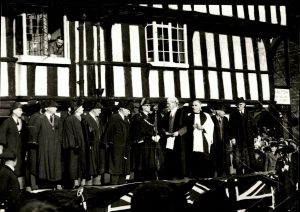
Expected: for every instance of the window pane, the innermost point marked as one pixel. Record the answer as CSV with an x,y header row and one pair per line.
x,y
165,35
150,56
167,57
150,45
175,57
182,58
181,46
160,45
174,34
159,33
160,56
175,47
180,34
149,32
166,45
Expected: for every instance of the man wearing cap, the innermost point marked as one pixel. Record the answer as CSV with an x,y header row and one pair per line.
x,y
145,141
13,138
49,139
116,137
271,156
92,131
220,149
242,132
74,144
9,186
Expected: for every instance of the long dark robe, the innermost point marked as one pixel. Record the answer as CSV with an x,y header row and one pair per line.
x,y
174,160
116,136
220,149
95,151
242,128
74,143
144,148
14,141
10,192
49,140
32,148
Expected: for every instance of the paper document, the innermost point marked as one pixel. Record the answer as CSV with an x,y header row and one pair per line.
x,y
170,142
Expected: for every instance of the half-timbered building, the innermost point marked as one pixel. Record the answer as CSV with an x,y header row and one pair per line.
x,y
210,52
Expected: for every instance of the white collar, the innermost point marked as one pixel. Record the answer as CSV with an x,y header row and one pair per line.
x,y
11,167
173,111
123,117
92,114
16,119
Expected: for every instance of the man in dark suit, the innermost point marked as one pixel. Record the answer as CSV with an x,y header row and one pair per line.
x,y
220,150
172,141
13,138
116,137
242,132
9,186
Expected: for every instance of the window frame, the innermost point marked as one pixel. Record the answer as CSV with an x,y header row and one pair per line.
x,y
43,59
155,26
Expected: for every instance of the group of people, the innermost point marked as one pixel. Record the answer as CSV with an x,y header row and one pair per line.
x,y
174,142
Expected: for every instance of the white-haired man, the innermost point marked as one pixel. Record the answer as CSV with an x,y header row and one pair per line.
x,y
172,131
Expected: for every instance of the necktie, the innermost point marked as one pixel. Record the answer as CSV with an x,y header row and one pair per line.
x,y
52,119
221,127
171,122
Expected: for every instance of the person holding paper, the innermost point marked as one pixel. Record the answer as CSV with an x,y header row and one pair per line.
x,y
172,142
200,128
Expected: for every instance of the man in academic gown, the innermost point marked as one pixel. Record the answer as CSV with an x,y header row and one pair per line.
x,y
116,137
173,145
92,131
49,138
74,145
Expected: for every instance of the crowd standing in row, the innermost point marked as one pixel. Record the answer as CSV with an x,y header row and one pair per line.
x,y
166,143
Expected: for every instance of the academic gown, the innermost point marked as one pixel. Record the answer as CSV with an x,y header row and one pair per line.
x,y
49,140
116,137
95,149
74,143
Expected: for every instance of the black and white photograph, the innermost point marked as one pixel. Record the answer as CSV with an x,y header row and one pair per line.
x,y
151,106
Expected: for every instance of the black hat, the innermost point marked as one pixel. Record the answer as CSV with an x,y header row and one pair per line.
x,y
92,104
267,149
16,105
240,100
273,143
50,103
126,104
145,101
75,105
8,155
